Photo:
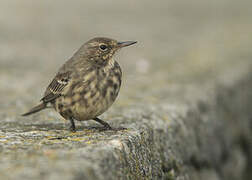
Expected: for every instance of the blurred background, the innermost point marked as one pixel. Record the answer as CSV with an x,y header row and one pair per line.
x,y
179,43
177,40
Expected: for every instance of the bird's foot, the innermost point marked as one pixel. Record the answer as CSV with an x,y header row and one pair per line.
x,y
72,126
72,129
106,126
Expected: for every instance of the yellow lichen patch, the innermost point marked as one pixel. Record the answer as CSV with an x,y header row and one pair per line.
x,y
77,139
50,137
79,133
74,133
126,130
50,132
52,140
90,142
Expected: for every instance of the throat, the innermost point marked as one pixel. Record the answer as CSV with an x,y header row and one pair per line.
x,y
109,64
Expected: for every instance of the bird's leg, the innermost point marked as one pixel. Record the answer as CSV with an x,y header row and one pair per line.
x,y
105,125
72,127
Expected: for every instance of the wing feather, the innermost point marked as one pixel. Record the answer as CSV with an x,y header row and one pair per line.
x,y
56,87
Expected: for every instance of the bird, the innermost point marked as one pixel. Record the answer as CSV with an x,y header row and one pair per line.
x,y
87,84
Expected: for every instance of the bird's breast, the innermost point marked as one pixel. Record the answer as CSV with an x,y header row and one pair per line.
x,y
94,94
109,83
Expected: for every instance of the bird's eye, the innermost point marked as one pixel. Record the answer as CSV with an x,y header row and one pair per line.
x,y
103,47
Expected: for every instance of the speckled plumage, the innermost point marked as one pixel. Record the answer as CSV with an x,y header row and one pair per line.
x,y
87,84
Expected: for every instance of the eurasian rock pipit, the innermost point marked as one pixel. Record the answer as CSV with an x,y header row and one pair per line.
x,y
87,84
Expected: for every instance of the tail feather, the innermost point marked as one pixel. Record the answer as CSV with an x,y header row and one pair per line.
x,y
35,109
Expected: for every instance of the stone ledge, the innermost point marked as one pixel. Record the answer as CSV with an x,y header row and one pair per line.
x,y
206,134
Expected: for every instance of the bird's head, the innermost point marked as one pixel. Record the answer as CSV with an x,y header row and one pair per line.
x,y
102,49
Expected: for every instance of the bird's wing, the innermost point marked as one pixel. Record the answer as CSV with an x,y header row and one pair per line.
x,y
57,86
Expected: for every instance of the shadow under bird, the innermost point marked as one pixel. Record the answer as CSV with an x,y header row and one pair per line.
x,y
87,84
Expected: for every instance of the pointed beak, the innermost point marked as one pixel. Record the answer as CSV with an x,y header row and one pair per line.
x,y
126,43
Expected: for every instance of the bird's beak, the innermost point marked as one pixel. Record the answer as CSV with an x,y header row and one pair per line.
x,y
126,43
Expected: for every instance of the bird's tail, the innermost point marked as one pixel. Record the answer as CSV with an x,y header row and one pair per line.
x,y
35,109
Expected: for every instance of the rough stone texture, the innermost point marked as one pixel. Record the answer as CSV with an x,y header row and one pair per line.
x,y
186,97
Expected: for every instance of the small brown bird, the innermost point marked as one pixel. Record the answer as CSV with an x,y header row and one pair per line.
x,y
87,84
